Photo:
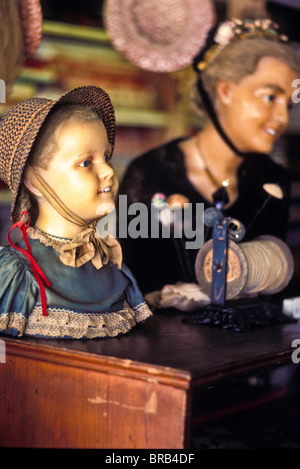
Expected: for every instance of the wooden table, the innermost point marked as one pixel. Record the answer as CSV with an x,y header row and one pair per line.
x,y
139,390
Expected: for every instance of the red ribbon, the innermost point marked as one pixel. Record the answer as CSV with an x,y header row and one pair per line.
x,y
37,271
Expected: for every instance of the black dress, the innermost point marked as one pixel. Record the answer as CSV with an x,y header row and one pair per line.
x,y
154,262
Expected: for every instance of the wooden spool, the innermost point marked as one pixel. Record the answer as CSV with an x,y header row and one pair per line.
x,y
264,265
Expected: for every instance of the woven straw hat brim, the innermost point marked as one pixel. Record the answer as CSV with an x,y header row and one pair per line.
x,y
21,125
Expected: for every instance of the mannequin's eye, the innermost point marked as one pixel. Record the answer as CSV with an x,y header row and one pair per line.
x,y
269,98
85,163
107,157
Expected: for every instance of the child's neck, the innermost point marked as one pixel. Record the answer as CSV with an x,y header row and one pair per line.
x,y
51,222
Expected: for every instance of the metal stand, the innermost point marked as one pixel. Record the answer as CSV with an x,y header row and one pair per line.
x,y
219,265
238,315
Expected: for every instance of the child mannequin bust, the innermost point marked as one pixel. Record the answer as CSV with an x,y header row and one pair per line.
x,y
62,279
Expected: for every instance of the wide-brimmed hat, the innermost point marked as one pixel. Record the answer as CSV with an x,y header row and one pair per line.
x,y
20,126
159,35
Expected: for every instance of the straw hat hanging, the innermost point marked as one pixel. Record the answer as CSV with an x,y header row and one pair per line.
x,y
21,32
156,35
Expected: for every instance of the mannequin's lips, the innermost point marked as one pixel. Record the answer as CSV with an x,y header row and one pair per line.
x,y
271,131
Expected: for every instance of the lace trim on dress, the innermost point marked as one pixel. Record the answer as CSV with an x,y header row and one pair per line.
x,y
63,323
67,324
47,239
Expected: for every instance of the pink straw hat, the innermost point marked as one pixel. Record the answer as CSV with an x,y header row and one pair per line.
x,y
159,35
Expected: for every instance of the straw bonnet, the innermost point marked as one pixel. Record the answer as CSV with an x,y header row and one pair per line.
x,y
20,126
158,35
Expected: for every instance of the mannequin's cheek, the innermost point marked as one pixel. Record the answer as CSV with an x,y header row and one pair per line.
x,y
105,208
242,113
251,112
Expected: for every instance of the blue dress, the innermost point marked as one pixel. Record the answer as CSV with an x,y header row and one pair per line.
x,y
82,303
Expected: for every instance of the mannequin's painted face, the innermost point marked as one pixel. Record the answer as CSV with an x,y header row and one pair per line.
x,y
80,172
255,111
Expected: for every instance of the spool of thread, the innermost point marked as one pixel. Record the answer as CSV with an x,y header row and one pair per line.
x,y
264,265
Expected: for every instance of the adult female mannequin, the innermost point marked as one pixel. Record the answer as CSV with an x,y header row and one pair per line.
x,y
244,77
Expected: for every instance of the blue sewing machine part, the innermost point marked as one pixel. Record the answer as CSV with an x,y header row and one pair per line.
x,y
219,263
211,215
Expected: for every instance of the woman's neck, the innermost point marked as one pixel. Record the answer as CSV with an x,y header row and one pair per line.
x,y
216,154
210,163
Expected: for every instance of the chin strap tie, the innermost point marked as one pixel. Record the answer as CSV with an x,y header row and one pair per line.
x,y
87,245
39,275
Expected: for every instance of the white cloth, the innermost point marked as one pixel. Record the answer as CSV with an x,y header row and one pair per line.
x,y
182,296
